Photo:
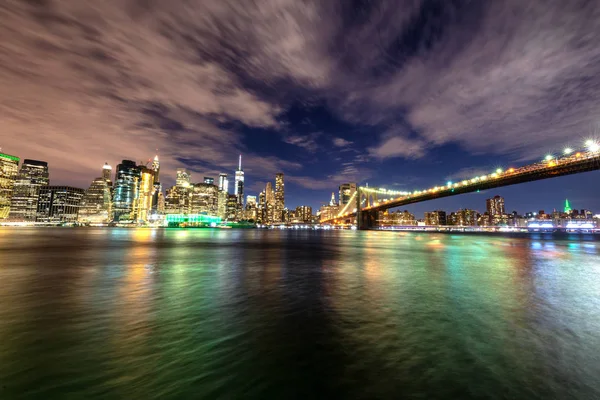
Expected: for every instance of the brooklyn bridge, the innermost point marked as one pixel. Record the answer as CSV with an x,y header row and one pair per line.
x,y
366,202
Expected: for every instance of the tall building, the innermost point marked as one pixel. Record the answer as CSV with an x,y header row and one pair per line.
x,y
239,183
9,168
435,218
269,194
332,202
96,204
279,197
32,176
177,200
466,217
303,214
251,200
183,177
222,204
223,183
346,191
126,191
58,204
107,173
157,189
204,199
232,207
495,206
143,205
209,181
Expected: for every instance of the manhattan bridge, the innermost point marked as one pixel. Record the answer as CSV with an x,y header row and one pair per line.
x,y
366,202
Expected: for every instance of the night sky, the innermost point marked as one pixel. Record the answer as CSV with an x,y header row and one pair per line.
x,y
402,94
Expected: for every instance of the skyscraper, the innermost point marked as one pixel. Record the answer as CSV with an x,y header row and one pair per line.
x,y
183,177
157,189
435,218
209,181
495,205
126,189
9,168
239,183
269,195
332,201
279,197
156,168
223,183
145,193
107,173
96,204
58,204
568,209
32,176
204,199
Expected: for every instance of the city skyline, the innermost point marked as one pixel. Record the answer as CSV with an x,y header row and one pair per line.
x,y
332,99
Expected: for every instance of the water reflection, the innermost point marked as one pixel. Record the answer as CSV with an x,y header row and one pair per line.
x,y
274,314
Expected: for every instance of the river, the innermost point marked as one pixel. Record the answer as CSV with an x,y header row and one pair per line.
x,y
182,314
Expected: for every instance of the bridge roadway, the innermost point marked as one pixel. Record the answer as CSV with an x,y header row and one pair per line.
x,y
366,217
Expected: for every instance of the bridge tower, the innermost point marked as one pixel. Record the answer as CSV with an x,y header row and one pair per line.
x,y
365,219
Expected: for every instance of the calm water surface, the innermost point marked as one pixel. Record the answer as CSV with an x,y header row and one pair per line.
x,y
182,314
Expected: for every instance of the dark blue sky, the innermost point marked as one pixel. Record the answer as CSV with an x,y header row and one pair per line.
x,y
403,94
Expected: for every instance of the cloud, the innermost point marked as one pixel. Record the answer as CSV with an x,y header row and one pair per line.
x,y
348,173
469,173
396,146
340,142
308,142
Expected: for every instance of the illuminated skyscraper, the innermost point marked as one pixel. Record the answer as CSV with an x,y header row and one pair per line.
x,y
143,204
204,199
107,173
435,218
332,202
239,183
58,204
183,177
269,195
222,204
568,209
279,197
223,183
495,205
32,176
9,168
126,190
209,181
157,189
251,200
96,204
156,168
232,207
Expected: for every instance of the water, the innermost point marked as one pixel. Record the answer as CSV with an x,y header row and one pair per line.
x,y
179,314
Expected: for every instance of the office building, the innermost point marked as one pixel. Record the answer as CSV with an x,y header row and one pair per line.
x,y
96,205
126,191
204,199
157,189
466,217
107,173
303,214
239,183
183,178
495,206
397,218
223,183
222,204
232,207
177,200
58,204
279,197
9,168
251,201
32,176
145,194
435,218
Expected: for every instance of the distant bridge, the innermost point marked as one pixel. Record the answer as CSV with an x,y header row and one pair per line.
x,y
366,203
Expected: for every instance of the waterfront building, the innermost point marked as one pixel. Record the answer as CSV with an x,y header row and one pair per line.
x,y
345,193
232,207
9,168
58,204
279,197
96,204
223,183
239,183
465,217
222,204
204,199
303,214
145,194
177,200
435,218
328,211
32,176
496,211
125,191
396,218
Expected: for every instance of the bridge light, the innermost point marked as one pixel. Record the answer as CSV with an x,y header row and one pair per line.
x,y
483,178
449,183
511,170
568,150
593,146
578,155
499,171
549,157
